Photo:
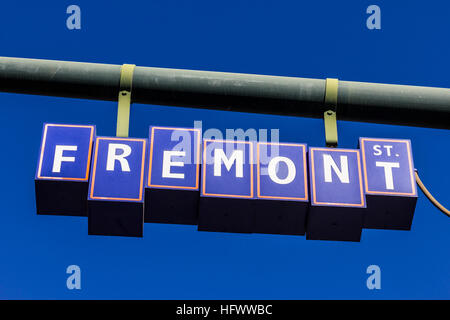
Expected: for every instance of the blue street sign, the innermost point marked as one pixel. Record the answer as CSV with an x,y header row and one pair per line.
x,y
227,193
337,195
224,185
116,201
389,183
174,172
63,169
282,186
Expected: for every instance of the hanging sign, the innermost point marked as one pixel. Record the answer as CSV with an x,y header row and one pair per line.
x,y
175,176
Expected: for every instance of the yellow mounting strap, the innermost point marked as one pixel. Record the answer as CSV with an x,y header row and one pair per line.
x,y
329,116
123,111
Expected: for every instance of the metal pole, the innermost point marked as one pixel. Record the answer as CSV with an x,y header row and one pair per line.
x,y
357,101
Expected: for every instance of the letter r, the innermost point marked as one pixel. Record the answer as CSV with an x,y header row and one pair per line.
x,y
113,156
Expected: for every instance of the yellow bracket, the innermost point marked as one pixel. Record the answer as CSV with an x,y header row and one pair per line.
x,y
123,110
329,116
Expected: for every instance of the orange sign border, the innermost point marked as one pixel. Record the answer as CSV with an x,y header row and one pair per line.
x,y
95,168
258,184
313,182
408,147
204,170
44,140
197,171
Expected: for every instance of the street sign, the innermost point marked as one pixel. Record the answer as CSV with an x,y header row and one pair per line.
x,y
62,174
228,180
116,199
337,195
224,185
389,183
174,171
282,188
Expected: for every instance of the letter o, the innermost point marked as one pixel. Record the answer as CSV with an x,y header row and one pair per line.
x,y
273,172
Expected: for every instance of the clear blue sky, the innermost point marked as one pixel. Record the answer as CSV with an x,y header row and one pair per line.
x,y
315,39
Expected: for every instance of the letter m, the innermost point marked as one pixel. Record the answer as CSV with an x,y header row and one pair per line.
x,y
220,157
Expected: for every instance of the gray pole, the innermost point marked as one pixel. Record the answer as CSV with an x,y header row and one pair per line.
x,y
357,101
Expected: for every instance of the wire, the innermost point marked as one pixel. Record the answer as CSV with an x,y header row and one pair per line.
x,y
430,197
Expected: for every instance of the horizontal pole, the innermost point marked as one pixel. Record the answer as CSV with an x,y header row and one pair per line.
x,y
357,101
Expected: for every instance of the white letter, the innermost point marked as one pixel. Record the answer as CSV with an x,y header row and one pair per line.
x,y
112,156
329,163
273,170
167,164
74,281
388,172
374,281
59,157
237,156
74,20
388,149
373,21
377,150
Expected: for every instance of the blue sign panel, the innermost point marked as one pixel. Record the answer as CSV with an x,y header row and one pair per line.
x,y
282,186
227,192
228,169
388,166
174,172
282,173
118,169
62,172
224,185
337,195
65,152
336,178
174,160
389,183
116,200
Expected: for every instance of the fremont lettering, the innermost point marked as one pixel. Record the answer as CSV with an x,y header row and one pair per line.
x,y
174,176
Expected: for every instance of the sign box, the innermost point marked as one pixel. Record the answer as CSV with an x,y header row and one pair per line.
x,y
227,190
61,181
116,199
390,186
172,186
224,186
337,195
282,188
